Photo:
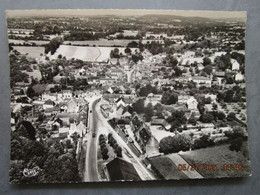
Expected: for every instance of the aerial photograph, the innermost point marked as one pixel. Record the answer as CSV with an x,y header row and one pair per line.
x,y
127,95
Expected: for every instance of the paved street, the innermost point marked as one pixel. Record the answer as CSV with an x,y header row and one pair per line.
x,y
91,172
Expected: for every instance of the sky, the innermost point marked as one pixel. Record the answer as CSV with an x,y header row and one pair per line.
x,y
126,12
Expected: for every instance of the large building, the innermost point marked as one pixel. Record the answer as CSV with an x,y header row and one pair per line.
x,y
121,170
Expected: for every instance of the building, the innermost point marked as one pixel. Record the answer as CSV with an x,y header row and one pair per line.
x,y
141,131
202,81
120,170
235,64
192,103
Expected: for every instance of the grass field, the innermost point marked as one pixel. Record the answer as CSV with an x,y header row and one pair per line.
x,y
32,52
166,168
218,155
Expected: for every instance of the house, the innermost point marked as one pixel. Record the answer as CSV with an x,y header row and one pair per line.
x,y
63,132
161,122
127,112
182,99
120,170
201,81
49,96
116,73
120,101
153,98
235,64
48,104
141,131
120,109
192,103
239,77
67,94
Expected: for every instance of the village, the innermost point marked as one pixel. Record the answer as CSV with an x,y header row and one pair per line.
x,y
132,103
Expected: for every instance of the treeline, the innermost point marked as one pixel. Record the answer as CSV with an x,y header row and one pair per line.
x,y
82,36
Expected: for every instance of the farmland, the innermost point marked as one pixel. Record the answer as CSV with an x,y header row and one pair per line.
x,y
166,168
32,52
222,155
98,54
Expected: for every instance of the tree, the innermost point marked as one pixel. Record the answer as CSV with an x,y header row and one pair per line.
x,y
175,144
178,72
144,91
30,92
203,142
231,116
236,144
206,118
75,136
221,115
118,151
207,69
206,61
53,45
137,57
149,112
114,53
138,106
128,50
192,119
169,98
104,152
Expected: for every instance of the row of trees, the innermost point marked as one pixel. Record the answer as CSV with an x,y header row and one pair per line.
x,y
103,147
113,143
183,142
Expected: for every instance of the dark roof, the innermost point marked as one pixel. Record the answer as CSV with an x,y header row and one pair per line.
x,y
136,122
121,170
144,135
121,98
26,129
128,109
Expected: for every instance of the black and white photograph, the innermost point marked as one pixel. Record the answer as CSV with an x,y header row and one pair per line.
x,y
104,95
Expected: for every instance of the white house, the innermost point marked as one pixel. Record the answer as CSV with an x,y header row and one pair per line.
x,y
201,81
48,104
235,64
192,103
67,94
239,77
49,96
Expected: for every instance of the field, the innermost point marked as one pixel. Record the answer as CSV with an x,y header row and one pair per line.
x,y
220,155
98,54
32,52
166,168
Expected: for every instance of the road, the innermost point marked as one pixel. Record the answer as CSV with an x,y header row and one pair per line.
x,y
91,171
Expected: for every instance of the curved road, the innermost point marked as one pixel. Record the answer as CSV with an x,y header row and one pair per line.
x,y
91,171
